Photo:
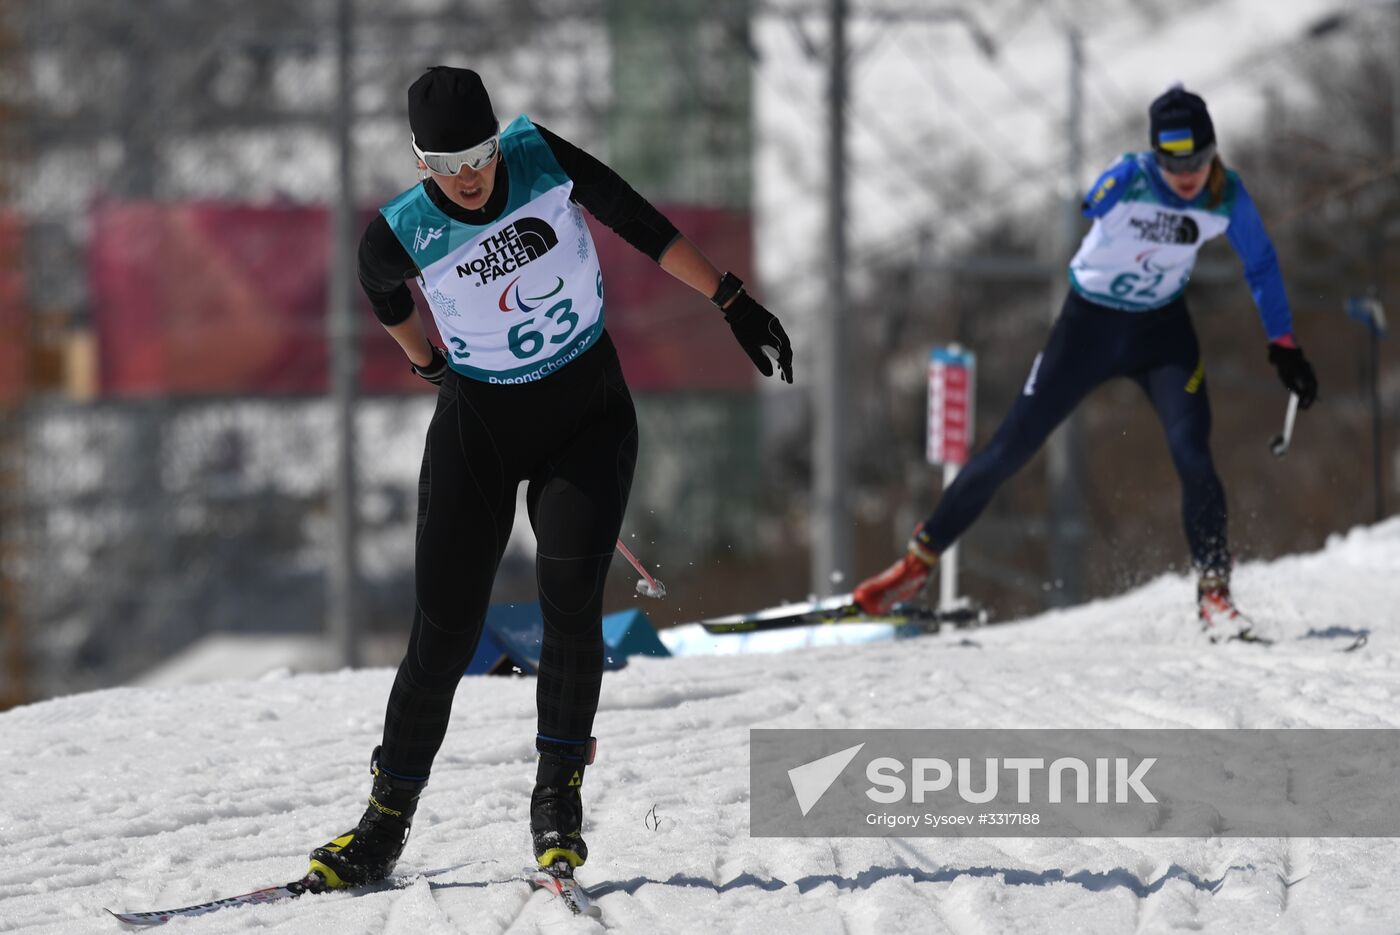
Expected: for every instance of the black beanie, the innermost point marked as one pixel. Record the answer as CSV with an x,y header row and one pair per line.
x,y
1180,124
449,110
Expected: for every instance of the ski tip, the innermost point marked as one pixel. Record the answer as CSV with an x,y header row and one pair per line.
x,y
1359,642
138,919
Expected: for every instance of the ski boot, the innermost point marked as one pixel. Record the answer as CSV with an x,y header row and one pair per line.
x,y
367,853
1220,619
900,582
556,808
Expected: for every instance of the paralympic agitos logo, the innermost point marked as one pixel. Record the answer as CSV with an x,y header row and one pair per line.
x,y
508,249
512,301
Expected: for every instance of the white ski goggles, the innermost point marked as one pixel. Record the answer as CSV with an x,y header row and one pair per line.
x,y
477,157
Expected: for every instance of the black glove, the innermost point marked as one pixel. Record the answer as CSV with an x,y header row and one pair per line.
x,y
1295,372
435,370
756,328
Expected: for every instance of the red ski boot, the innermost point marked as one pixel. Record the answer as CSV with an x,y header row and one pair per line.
x,y
902,581
1220,619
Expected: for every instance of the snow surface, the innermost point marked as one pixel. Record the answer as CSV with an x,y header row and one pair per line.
x,y
147,798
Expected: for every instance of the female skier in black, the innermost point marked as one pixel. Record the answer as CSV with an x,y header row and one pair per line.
x,y
531,390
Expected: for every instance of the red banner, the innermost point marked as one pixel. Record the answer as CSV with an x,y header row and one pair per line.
x,y
951,390
14,322
215,298
668,336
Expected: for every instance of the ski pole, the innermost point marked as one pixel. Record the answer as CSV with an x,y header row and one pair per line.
x,y
1279,446
648,586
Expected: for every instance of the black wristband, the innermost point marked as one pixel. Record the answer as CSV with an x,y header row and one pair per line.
x,y
729,286
435,369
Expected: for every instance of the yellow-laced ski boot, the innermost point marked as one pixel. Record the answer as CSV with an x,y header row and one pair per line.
x,y
556,807
368,852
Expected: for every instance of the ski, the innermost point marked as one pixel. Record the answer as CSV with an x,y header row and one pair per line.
x,y
1246,635
1357,643
559,881
841,610
268,894
311,883
1357,639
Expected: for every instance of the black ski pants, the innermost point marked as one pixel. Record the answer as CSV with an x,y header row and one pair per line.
x,y
1089,345
572,437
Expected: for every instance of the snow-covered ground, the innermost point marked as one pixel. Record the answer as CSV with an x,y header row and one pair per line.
x,y
152,798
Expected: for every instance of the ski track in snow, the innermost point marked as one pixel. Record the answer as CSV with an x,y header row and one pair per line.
x,y
154,798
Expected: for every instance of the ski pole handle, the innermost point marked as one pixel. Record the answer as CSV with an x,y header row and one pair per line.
x,y
648,586
1280,444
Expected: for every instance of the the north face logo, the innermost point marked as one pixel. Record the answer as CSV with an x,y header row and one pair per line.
x,y
510,248
1167,228
536,238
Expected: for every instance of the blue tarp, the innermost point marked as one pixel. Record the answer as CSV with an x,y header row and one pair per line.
x,y
510,641
630,633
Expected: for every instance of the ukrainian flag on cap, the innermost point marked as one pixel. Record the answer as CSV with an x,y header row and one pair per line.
x,y
1176,142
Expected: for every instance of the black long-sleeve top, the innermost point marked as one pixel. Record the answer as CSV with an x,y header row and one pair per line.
x,y
384,264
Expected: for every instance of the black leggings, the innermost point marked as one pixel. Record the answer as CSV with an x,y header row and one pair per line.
x,y
573,437
1089,345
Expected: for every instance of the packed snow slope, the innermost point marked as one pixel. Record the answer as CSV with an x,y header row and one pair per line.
x,y
155,798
